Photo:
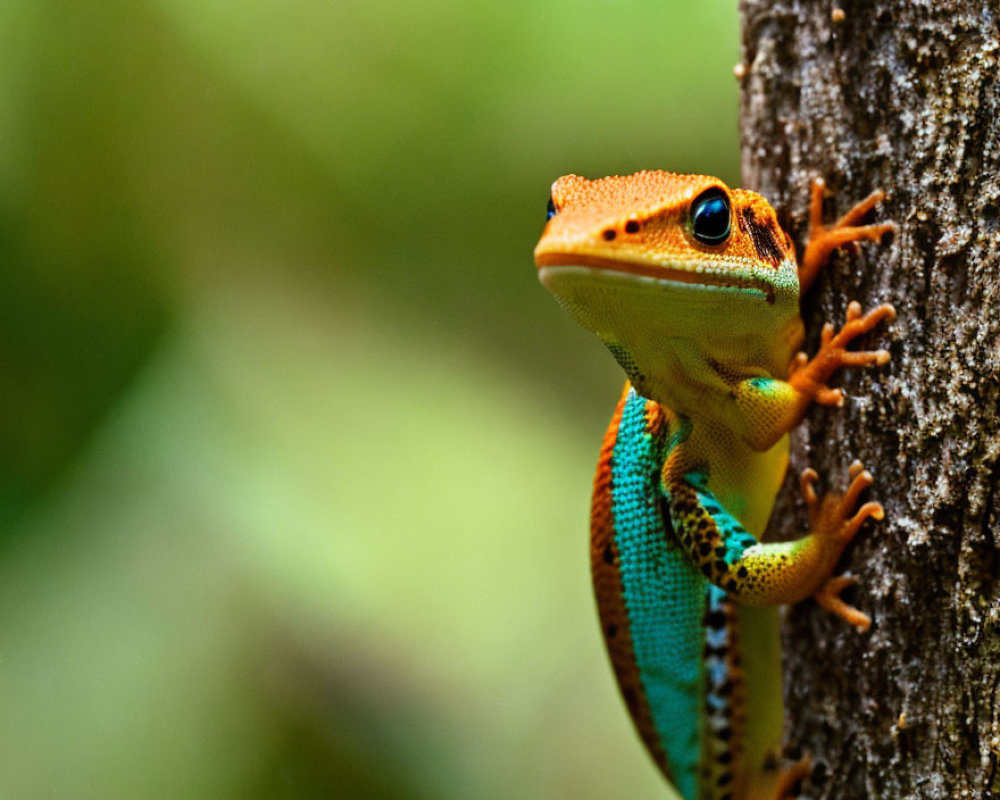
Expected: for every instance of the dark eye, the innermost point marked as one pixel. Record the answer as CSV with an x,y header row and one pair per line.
x,y
551,211
710,217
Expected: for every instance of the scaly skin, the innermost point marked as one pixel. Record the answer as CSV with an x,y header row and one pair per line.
x,y
706,324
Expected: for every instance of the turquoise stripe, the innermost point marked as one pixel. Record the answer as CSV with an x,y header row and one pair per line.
x,y
664,596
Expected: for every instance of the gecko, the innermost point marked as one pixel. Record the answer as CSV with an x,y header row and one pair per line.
x,y
695,288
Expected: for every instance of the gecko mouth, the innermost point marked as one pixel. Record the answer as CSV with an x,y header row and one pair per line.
x,y
694,276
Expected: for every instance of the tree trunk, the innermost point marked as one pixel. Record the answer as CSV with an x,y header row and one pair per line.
x,y
904,95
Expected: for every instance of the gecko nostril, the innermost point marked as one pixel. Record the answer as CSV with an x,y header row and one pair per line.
x,y
632,226
609,234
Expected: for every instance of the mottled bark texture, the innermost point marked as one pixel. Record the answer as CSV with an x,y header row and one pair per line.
x,y
904,95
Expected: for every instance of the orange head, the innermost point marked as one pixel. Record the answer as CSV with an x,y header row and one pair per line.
x,y
685,228
652,260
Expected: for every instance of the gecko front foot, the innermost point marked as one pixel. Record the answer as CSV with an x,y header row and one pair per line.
x,y
809,376
833,518
843,233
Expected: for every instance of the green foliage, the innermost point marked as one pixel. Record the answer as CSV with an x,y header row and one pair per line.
x,y
297,451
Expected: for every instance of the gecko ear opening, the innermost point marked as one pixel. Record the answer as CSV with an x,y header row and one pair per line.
x,y
710,218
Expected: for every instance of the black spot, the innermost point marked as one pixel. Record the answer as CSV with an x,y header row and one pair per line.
x,y
764,238
727,796
609,554
721,565
725,757
609,235
631,226
612,630
731,586
742,572
725,733
704,548
726,689
721,551
725,779
715,619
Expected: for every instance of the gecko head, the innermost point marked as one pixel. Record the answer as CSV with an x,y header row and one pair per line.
x,y
645,259
683,229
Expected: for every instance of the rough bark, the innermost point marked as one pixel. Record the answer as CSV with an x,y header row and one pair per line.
x,y
904,95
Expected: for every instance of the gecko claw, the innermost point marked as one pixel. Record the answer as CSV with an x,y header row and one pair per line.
x,y
807,480
826,396
828,597
861,479
798,362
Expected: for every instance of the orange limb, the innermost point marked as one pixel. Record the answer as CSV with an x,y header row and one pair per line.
x,y
834,517
823,241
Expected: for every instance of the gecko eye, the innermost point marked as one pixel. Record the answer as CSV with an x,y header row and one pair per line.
x,y
710,217
551,211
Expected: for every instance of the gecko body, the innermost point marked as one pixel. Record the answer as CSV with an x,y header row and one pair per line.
x,y
694,289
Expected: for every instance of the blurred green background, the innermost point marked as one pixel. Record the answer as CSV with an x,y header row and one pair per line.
x,y
296,451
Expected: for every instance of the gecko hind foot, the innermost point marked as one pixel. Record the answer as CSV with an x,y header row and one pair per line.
x,y
790,777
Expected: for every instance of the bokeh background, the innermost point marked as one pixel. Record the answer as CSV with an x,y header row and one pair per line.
x,y
296,452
